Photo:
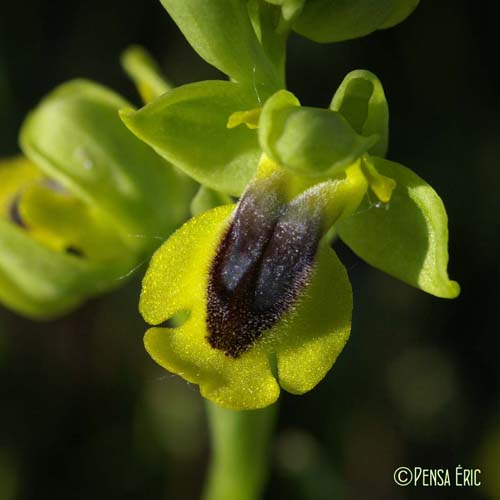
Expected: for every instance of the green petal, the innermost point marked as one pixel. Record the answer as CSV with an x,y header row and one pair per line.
x,y
361,100
308,141
223,35
408,238
188,127
43,284
335,20
315,332
76,137
145,73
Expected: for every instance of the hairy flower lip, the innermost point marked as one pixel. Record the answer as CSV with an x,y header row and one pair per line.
x,y
305,342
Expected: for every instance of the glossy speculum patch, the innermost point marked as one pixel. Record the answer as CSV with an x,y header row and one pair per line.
x,y
263,261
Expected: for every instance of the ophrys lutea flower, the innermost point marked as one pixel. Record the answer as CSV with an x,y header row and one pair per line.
x,y
268,302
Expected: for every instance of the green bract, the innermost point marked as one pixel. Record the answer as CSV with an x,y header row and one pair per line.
x,y
222,34
335,20
85,208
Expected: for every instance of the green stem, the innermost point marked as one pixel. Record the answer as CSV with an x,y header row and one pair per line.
x,y
240,452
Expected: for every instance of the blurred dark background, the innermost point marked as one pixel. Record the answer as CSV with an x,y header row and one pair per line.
x,y
86,414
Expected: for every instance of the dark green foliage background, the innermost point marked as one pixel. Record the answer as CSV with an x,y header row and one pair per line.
x,y
86,414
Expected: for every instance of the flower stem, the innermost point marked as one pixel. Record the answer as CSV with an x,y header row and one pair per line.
x,y
240,455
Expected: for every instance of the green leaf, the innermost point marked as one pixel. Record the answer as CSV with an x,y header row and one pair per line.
x,y
76,137
361,100
42,283
336,20
308,141
188,127
407,238
222,34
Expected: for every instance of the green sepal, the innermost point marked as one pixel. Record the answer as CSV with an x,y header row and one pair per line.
x,y
222,34
308,141
407,238
360,98
76,137
188,127
327,21
42,283
144,72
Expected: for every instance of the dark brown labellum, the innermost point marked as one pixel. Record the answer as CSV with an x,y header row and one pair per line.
x,y
263,261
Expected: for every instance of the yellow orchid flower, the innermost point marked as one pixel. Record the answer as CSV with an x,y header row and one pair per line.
x,y
268,303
